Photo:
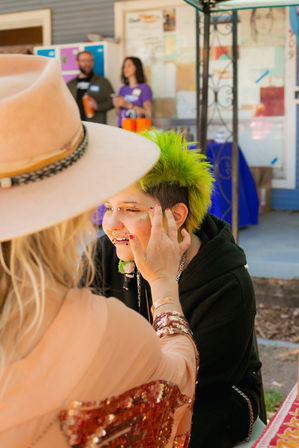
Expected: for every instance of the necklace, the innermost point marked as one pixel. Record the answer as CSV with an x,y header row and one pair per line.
x,y
181,266
178,276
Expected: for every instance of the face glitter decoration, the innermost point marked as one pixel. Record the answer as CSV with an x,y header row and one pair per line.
x,y
127,213
144,217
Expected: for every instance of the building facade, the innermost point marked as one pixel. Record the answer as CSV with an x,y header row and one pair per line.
x,y
162,34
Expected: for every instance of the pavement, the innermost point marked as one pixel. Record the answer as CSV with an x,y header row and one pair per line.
x,y
272,251
272,246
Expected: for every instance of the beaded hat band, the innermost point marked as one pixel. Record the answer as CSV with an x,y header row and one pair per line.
x,y
74,153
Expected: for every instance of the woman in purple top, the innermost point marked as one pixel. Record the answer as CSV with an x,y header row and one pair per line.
x,y
135,95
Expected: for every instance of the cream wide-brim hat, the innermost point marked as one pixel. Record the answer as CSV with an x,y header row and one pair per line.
x,y
39,119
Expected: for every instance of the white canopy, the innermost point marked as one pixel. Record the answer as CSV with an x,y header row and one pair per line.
x,y
228,5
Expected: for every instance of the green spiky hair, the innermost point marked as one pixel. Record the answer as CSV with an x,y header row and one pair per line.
x,y
183,167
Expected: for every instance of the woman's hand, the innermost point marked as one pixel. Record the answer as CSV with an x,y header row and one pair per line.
x,y
147,105
118,101
161,260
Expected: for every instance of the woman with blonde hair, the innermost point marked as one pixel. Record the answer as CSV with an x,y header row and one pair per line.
x,y
78,369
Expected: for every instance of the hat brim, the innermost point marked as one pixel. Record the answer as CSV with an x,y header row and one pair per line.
x,y
113,160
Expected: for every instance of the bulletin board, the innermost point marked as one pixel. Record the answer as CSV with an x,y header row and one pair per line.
x,y
162,35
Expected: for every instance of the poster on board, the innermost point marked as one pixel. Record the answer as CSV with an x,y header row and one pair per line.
x,y
144,36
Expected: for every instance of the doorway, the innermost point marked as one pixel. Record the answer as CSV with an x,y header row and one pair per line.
x,y
21,31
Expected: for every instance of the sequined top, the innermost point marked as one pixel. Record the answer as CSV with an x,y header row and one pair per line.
x,y
94,349
142,417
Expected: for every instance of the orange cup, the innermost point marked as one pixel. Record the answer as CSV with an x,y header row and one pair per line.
x,y
129,124
142,124
88,109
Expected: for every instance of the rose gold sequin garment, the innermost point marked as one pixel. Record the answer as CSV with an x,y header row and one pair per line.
x,y
140,418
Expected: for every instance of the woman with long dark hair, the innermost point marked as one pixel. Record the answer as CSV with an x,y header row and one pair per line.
x,y
135,95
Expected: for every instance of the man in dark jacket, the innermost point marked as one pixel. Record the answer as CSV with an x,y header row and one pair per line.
x,y
215,289
96,87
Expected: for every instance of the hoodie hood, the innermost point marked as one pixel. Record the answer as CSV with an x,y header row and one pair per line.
x,y
218,254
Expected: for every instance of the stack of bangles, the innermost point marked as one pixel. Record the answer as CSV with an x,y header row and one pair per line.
x,y
171,322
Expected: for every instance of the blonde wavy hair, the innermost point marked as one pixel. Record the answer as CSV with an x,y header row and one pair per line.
x,y
28,263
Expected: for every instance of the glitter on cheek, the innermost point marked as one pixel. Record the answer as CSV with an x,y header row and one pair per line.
x,y
144,217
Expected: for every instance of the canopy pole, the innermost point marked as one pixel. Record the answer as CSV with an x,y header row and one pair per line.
x,y
235,149
198,115
205,79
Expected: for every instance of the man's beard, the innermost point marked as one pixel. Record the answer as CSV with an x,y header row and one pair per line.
x,y
85,72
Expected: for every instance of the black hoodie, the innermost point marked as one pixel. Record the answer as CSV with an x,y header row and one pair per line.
x,y
217,298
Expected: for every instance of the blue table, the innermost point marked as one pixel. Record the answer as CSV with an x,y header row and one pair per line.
x,y
220,156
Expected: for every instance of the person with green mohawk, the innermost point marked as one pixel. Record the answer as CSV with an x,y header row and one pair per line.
x,y
215,288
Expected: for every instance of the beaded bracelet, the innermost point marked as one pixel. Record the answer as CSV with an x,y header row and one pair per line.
x,y
171,322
